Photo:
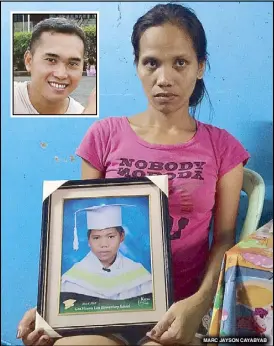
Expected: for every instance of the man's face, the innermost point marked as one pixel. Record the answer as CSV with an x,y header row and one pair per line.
x,y
55,65
105,244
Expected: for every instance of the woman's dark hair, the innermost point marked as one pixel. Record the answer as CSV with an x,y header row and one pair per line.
x,y
118,229
185,18
55,25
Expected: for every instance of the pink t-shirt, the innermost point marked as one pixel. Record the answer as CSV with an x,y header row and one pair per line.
x,y
111,146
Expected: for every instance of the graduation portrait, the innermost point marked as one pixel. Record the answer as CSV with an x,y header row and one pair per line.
x,y
104,254
106,262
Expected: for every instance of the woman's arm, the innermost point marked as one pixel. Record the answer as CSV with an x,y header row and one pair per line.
x,y
89,172
226,208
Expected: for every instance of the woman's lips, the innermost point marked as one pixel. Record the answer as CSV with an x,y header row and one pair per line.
x,y
165,97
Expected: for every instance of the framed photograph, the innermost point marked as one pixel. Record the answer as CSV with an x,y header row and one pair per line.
x,y
105,255
55,57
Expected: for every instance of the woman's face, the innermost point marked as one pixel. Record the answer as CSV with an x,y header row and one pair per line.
x,y
168,67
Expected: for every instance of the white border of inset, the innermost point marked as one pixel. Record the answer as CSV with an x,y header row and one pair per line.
x,y
65,116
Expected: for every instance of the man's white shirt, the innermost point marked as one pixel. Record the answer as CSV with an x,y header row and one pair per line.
x,y
22,104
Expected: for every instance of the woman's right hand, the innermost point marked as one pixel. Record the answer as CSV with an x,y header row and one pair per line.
x,y
29,336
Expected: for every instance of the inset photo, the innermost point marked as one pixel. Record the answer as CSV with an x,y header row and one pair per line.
x,y
55,64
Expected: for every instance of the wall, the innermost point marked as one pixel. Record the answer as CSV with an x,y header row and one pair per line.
x,y
33,150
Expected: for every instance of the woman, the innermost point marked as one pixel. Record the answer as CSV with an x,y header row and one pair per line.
x,y
203,162
91,68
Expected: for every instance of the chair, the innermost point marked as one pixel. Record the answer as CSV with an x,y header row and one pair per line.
x,y
254,187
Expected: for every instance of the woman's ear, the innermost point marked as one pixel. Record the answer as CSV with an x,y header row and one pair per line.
x,y
201,69
139,70
28,60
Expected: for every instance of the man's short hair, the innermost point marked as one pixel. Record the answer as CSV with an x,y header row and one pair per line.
x,y
55,25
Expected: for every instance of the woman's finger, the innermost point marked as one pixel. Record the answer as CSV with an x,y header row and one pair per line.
x,y
167,339
27,323
33,337
162,326
44,340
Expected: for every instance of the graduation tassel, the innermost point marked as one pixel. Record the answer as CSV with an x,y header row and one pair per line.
x,y
75,235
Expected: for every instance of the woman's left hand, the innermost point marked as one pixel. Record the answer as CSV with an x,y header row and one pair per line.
x,y
180,322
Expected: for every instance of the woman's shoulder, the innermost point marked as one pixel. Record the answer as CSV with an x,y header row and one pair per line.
x,y
226,147
110,123
115,120
216,134
212,129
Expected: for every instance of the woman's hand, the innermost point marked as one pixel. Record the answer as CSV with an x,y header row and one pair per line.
x,y
91,107
29,336
180,322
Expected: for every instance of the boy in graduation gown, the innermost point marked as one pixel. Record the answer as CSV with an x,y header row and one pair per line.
x,y
104,272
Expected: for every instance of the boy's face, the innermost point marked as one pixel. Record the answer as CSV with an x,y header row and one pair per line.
x,y
105,244
55,65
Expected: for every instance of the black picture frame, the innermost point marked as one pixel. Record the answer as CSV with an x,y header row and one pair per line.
x,y
158,211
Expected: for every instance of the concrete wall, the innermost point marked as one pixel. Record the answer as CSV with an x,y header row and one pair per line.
x,y
33,150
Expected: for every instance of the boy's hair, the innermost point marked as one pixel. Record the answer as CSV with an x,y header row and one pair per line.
x,y
55,25
118,229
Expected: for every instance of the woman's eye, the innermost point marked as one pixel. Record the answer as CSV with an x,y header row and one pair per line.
x,y
180,63
151,63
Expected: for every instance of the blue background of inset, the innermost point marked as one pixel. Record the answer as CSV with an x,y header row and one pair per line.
x,y
136,245
240,84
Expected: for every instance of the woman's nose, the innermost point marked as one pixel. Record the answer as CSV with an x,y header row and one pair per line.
x,y
165,77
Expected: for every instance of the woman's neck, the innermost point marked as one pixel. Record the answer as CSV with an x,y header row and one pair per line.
x,y
166,129
178,120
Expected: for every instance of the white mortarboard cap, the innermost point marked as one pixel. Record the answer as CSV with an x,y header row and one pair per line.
x,y
100,217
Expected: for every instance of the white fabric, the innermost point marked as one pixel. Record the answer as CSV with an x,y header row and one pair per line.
x,y
41,323
122,264
101,217
49,186
22,104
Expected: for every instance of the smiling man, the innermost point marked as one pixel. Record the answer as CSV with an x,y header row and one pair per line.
x,y
55,60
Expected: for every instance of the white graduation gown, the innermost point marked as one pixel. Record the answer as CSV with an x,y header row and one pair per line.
x,y
126,278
